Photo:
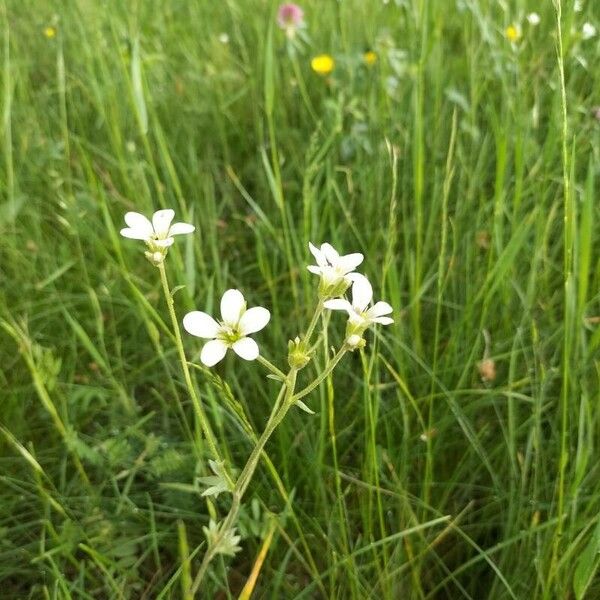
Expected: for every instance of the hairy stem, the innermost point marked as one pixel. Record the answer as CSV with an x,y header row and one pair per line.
x,y
271,367
200,414
313,321
284,401
246,475
328,369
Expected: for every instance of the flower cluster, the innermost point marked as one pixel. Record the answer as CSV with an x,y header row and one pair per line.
x,y
336,271
360,316
290,18
336,276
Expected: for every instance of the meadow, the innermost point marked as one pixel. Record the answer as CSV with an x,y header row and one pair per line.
x,y
454,143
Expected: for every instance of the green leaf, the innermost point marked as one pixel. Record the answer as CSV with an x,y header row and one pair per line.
x,y
138,86
303,407
587,564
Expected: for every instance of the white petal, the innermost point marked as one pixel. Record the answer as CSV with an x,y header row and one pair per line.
x,y
134,234
350,261
161,221
352,277
383,320
313,269
319,256
232,307
179,228
213,352
246,348
200,324
164,243
379,309
358,319
330,253
331,276
254,319
362,293
140,223
338,304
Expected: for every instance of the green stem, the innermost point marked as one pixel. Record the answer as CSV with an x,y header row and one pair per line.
x,y
328,369
200,414
568,221
277,415
313,321
271,367
285,400
302,88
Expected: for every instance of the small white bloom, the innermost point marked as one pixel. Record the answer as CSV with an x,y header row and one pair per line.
x,y
158,233
588,31
355,341
336,271
224,38
578,6
231,332
361,317
533,19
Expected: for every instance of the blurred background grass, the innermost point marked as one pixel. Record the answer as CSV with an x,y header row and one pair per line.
x,y
445,163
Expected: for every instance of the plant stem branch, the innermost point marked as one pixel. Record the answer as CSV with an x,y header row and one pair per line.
x,y
328,369
271,367
277,415
313,321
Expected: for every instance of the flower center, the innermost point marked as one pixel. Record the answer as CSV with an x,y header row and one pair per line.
x,y
229,334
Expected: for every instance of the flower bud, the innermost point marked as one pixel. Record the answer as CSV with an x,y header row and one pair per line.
x,y
156,257
355,341
298,354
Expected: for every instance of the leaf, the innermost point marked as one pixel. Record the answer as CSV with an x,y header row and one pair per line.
x,y
269,74
303,407
275,377
138,86
176,289
216,483
587,564
22,450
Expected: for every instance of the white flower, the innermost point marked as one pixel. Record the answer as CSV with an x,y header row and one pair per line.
x,y
578,6
231,332
588,31
336,271
533,19
158,233
360,316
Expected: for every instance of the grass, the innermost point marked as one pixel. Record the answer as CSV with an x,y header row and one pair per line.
x,y
463,166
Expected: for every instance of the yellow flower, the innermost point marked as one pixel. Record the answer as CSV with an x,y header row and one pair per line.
x,y
513,33
322,64
50,32
370,58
